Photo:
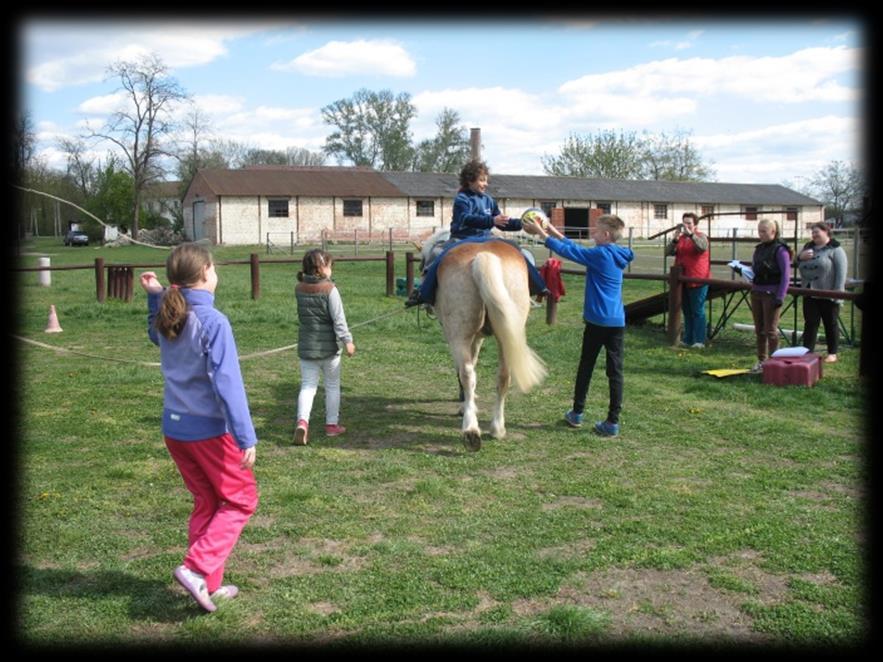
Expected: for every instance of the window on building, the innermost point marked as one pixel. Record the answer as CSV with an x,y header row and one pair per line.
x,y
605,207
706,209
660,211
426,208
277,208
790,213
352,207
750,213
547,206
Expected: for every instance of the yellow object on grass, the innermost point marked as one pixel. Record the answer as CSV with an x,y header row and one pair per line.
x,y
726,372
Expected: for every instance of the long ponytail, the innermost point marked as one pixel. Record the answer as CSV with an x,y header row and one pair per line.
x,y
184,267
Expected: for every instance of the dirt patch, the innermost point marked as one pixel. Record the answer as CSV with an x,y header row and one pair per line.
x,y
503,473
323,608
575,550
572,501
653,602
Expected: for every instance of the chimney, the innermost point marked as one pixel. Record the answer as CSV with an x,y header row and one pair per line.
x,y
475,142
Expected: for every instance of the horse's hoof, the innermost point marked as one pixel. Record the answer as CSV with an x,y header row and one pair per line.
x,y
472,439
498,434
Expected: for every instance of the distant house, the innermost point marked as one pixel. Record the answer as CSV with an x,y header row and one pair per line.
x,y
163,199
248,205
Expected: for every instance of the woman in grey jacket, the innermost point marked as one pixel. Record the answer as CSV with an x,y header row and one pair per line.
x,y
822,266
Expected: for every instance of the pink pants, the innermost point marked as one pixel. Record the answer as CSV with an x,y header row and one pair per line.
x,y
224,498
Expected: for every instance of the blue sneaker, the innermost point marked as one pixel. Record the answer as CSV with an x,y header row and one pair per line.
x,y
573,419
606,429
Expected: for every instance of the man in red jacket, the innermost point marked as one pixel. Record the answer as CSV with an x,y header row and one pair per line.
x,y
690,248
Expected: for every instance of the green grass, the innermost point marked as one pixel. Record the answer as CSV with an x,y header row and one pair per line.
x,y
728,510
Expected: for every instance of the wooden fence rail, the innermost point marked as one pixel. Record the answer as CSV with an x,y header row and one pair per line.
x,y
117,280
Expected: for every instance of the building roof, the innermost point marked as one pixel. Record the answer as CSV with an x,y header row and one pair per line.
x,y
538,187
330,181
321,181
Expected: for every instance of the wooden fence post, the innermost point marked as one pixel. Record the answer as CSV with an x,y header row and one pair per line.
x,y
99,279
390,274
551,310
409,272
255,276
675,296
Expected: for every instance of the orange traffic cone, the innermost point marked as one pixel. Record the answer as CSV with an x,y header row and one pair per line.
x,y
53,326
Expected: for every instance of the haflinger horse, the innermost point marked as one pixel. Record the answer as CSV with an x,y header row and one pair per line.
x,y
483,290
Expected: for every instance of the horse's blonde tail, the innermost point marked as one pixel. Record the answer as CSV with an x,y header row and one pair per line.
x,y
525,367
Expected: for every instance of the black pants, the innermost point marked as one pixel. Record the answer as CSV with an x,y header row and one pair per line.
x,y
594,338
826,311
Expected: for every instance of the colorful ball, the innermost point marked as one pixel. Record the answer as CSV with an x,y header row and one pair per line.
x,y
534,217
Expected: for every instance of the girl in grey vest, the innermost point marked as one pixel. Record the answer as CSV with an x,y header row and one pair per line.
x,y
321,332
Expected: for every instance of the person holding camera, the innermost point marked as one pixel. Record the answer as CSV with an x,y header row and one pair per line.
x,y
690,248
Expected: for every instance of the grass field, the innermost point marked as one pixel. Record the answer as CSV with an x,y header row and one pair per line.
x,y
728,512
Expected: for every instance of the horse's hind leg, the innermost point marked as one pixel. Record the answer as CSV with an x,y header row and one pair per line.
x,y
498,424
470,429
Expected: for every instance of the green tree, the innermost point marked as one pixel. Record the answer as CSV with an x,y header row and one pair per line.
x,y
605,154
625,155
372,130
448,150
673,158
112,200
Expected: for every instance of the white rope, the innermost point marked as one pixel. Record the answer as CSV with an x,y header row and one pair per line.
x,y
55,197
91,356
156,364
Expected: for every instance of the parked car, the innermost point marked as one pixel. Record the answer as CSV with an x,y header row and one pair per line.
x,y
76,238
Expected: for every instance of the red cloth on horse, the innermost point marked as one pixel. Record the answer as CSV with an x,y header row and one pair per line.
x,y
551,273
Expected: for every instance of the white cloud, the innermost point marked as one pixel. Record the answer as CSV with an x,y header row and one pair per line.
x,y
218,104
63,54
345,58
781,152
806,75
105,104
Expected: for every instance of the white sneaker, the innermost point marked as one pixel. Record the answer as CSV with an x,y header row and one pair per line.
x,y
194,583
757,368
225,592
697,345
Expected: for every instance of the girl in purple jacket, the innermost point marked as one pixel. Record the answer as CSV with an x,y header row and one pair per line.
x,y
206,422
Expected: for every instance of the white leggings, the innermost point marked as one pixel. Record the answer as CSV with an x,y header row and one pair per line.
x,y
309,384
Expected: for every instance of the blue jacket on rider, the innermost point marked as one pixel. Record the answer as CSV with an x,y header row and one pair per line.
x,y
474,215
473,220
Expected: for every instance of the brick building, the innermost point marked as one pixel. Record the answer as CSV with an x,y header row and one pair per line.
x,y
246,206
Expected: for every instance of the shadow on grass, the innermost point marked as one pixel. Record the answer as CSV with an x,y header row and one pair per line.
x,y
149,600
374,423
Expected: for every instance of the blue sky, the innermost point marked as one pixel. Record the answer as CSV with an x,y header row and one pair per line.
x,y
765,100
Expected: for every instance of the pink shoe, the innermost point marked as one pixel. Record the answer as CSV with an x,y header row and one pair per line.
x,y
831,358
300,433
195,585
333,430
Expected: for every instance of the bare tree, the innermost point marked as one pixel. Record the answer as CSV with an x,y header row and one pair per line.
x,y
841,186
299,156
141,129
80,167
23,142
198,151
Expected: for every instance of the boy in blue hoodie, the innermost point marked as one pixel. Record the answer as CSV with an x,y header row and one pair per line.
x,y
603,313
